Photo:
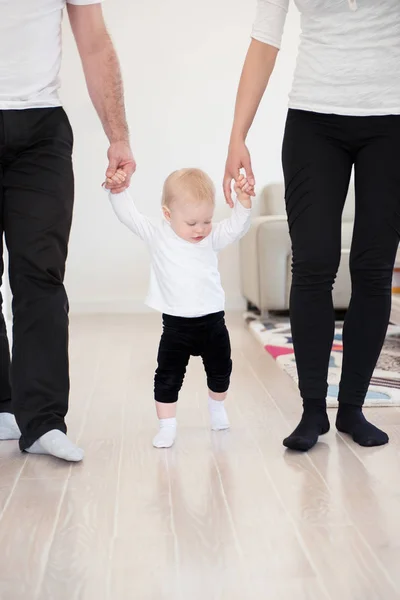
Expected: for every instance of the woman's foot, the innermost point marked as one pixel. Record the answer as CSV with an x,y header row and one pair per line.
x,y
350,420
314,423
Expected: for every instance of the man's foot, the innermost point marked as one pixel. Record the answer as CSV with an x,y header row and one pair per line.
x,y
9,429
350,419
314,423
165,438
218,417
55,443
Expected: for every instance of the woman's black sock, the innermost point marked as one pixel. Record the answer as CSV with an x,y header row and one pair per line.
x,y
350,419
314,423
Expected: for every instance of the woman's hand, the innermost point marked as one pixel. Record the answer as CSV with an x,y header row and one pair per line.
x,y
258,66
238,158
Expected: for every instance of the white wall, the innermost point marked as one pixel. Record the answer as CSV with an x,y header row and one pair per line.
x,y
181,62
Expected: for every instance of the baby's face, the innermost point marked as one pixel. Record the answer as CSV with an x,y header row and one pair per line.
x,y
190,220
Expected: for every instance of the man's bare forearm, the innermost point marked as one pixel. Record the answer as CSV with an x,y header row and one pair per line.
x,y
104,81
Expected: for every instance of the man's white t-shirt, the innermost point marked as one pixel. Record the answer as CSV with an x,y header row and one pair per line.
x,y
30,52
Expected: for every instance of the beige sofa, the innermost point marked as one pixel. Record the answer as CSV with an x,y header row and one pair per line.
x,y
265,254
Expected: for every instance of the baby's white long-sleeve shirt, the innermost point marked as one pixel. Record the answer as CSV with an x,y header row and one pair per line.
x,y
184,278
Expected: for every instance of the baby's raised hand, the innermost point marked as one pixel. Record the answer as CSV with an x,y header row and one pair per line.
x,y
243,190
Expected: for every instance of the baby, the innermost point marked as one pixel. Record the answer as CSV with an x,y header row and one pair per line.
x,y
185,286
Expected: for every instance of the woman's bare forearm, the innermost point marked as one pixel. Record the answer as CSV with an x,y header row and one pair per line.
x,y
257,70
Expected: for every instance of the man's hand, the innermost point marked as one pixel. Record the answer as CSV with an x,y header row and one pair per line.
x,y
120,158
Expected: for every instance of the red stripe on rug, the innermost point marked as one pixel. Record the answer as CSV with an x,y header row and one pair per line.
x,y
337,348
276,351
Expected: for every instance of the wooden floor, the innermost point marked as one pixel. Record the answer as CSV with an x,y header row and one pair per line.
x,y
227,516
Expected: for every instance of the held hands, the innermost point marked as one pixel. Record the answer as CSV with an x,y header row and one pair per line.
x,y
120,161
244,191
238,158
116,182
242,187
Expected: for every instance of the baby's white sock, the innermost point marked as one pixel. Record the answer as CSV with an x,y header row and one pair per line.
x,y
9,429
165,438
218,416
57,444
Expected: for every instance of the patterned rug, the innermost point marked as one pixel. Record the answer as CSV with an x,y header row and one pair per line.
x,y
275,336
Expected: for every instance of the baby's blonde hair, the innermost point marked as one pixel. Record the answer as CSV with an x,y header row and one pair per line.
x,y
189,185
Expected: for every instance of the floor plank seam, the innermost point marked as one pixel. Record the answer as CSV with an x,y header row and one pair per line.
x,y
47,552
173,530
118,488
16,481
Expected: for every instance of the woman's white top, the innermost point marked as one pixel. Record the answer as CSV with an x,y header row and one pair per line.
x,y
349,56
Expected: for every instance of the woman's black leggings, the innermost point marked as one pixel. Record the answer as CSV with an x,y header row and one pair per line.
x,y
319,152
